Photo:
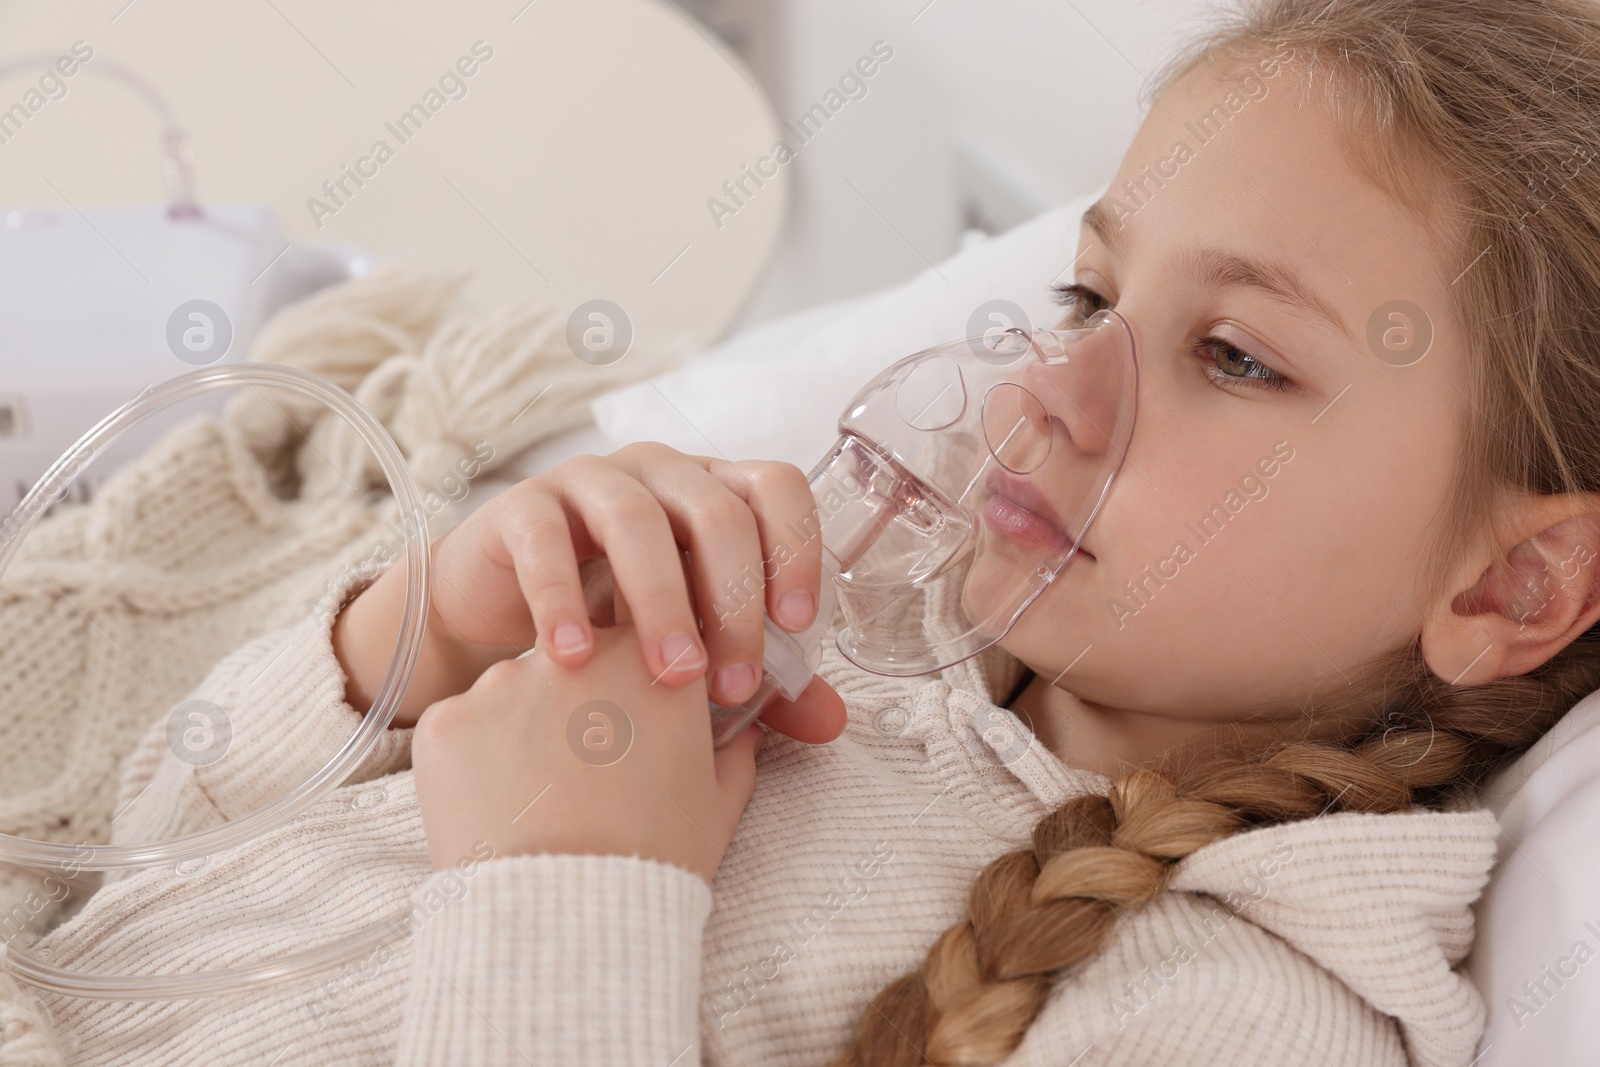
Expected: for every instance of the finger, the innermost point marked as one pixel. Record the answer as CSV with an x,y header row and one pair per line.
x,y
815,718
724,564
619,603
535,534
624,521
787,524
736,768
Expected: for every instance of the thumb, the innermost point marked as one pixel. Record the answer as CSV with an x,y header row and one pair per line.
x,y
736,766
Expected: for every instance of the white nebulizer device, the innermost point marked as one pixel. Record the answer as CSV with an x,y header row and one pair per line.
x,y
963,482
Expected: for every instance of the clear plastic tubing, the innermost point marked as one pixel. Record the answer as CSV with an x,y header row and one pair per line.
x,y
50,855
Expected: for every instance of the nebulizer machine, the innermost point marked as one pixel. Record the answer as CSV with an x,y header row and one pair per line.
x,y
962,484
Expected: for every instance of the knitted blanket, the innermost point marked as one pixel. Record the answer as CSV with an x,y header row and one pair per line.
x,y
226,528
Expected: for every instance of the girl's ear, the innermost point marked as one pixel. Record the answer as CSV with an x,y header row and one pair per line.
x,y
1522,594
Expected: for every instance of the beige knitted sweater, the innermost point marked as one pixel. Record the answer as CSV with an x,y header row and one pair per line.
x,y
1331,941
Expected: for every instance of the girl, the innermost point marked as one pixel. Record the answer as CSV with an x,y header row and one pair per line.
x,y
1207,802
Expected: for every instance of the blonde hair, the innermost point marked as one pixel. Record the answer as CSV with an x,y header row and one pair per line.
x,y
1478,115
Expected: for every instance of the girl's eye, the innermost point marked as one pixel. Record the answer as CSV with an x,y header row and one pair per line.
x,y
1226,363
1080,301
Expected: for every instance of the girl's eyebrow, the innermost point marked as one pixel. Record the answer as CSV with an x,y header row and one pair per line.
x,y
1223,269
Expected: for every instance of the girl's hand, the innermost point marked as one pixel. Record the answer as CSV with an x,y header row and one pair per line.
x,y
598,758
510,573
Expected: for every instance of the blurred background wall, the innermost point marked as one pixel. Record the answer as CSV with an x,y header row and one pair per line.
x,y
989,112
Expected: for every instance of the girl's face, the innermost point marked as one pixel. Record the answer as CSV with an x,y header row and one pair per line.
x,y
1301,398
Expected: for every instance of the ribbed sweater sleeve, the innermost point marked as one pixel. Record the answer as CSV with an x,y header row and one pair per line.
x,y
288,716
550,959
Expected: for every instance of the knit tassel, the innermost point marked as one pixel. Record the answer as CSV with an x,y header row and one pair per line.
x,y
441,376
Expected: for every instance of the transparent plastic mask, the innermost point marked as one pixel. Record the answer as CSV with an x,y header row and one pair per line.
x,y
964,480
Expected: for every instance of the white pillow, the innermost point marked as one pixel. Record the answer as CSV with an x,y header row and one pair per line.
x,y
1537,957
776,392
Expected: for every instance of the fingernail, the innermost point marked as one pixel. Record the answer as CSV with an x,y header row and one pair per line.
x,y
735,683
681,652
569,637
796,609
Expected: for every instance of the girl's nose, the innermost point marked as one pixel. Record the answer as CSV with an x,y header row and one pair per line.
x,y
1087,383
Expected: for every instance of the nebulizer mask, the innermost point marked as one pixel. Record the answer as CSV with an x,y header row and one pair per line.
x,y
962,484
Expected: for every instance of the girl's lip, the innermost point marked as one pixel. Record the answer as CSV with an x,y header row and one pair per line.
x,y
1025,496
